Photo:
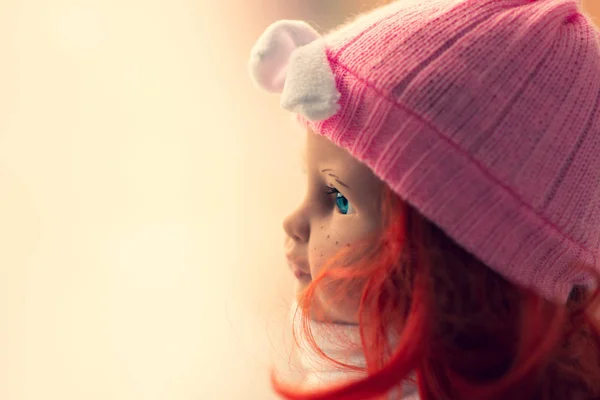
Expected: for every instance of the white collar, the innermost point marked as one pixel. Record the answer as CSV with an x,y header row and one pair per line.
x,y
338,341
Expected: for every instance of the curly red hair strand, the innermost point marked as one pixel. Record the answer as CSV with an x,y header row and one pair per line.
x,y
465,332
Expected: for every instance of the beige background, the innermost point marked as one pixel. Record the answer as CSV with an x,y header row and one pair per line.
x,y
142,185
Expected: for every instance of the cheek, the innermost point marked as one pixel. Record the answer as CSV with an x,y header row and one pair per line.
x,y
332,302
324,245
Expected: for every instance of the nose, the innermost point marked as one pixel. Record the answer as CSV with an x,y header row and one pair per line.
x,y
297,226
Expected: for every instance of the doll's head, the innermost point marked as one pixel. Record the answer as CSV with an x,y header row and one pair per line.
x,y
341,208
472,130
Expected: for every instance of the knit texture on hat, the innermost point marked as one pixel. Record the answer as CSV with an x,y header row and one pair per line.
x,y
482,114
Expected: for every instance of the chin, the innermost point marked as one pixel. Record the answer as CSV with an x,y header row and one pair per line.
x,y
300,287
321,311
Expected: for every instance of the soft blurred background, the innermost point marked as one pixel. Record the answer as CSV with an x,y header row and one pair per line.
x,y
143,182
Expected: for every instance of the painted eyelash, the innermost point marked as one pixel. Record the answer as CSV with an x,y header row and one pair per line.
x,y
331,190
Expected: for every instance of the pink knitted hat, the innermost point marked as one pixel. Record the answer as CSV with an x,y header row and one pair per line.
x,y
482,114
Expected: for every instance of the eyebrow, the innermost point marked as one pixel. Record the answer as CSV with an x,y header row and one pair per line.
x,y
336,177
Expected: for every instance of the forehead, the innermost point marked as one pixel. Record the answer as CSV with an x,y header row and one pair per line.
x,y
321,153
320,149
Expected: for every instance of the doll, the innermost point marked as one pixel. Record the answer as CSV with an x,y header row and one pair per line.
x,y
448,243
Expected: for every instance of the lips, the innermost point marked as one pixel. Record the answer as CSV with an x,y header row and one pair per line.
x,y
298,268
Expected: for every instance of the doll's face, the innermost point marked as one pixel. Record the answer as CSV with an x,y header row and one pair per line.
x,y
342,205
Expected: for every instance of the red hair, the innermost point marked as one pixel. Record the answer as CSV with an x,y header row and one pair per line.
x,y
465,332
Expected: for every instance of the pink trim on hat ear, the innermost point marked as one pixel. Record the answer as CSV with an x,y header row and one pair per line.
x,y
270,55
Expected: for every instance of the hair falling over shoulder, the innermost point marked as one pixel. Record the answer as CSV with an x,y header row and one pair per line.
x,y
465,332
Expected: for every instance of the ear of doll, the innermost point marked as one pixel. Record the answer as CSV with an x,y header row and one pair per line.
x,y
270,55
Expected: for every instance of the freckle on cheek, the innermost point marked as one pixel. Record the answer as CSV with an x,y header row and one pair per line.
x,y
327,236
336,242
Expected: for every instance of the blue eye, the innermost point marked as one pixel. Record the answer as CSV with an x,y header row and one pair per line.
x,y
341,201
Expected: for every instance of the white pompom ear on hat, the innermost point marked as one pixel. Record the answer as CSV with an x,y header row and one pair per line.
x,y
270,55
290,58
